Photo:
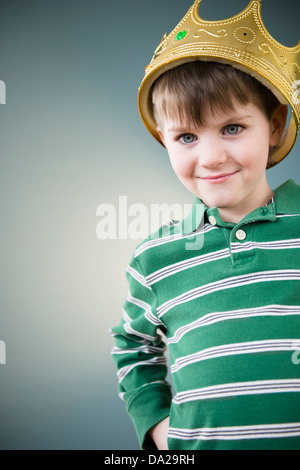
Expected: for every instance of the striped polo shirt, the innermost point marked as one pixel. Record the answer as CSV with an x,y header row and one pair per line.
x,y
225,299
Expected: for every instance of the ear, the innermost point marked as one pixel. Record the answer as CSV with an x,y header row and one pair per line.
x,y
160,135
277,124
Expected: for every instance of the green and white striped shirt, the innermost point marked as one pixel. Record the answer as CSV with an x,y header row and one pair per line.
x,y
227,299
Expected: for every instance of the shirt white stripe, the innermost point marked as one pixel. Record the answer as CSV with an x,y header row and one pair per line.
x,y
274,245
156,242
124,371
138,277
264,431
172,238
228,283
252,347
278,216
218,255
148,312
144,349
190,263
238,389
211,318
128,328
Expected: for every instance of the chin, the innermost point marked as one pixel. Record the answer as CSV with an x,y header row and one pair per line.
x,y
222,197
220,203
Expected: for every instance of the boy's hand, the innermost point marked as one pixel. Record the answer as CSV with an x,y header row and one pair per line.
x,y
159,434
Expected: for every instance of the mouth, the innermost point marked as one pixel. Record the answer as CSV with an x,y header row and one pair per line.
x,y
222,178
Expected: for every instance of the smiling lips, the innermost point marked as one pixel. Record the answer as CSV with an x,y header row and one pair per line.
x,y
218,178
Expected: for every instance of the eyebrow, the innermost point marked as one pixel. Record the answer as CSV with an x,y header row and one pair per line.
x,y
238,117
179,129
231,119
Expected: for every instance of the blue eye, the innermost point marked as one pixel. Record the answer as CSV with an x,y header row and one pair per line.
x,y
187,138
232,129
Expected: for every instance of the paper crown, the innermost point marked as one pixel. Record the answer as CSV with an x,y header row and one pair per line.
x,y
242,42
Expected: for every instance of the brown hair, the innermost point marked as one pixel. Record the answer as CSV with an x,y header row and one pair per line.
x,y
187,90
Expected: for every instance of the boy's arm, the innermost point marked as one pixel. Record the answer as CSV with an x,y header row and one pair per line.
x,y
140,360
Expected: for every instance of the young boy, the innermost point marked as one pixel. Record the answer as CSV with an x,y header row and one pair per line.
x,y
229,305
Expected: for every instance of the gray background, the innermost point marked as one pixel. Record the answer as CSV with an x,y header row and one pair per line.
x,y
71,139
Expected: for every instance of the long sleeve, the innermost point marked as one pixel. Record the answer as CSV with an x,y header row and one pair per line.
x,y
139,357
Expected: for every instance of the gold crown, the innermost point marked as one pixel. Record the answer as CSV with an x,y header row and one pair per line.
x,y
241,41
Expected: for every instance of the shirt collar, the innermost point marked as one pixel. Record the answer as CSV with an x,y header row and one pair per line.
x,y
287,201
287,198
190,223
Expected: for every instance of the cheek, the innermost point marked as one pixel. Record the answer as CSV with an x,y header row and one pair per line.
x,y
183,167
254,159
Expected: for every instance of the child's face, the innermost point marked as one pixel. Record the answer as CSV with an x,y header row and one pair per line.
x,y
224,161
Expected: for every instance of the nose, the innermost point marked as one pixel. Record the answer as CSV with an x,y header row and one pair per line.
x,y
211,152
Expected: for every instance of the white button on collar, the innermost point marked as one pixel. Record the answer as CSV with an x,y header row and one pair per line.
x,y
241,235
212,220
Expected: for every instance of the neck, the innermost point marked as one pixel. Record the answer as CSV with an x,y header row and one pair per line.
x,y
253,201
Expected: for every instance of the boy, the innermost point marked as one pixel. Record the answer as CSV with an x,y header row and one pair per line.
x,y
230,307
